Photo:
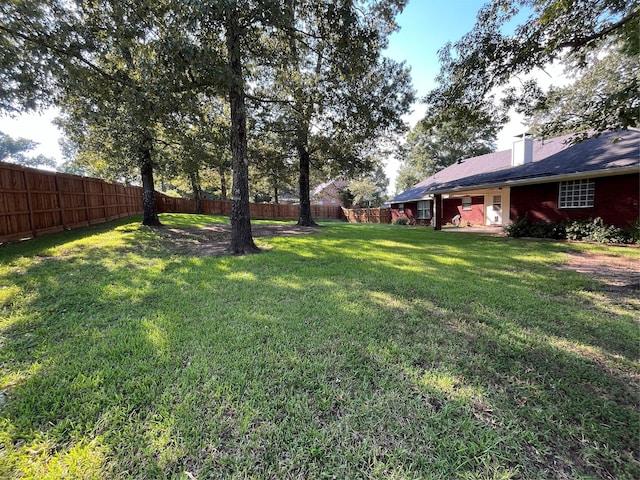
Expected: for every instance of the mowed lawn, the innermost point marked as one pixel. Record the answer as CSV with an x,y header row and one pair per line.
x,y
361,351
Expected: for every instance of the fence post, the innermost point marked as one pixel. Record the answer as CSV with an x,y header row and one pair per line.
x,y
32,226
59,195
86,203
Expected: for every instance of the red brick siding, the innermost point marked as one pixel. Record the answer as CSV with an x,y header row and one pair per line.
x,y
453,207
410,213
330,195
616,200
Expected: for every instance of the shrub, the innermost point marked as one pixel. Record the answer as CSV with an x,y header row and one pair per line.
x,y
631,233
522,227
590,230
594,230
400,221
555,230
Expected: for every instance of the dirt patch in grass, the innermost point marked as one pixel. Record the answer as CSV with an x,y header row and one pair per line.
x,y
616,274
213,240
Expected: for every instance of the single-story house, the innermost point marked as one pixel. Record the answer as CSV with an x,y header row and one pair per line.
x,y
328,193
544,179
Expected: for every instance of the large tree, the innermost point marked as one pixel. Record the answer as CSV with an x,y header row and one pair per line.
x,y
332,90
116,67
606,96
237,33
486,59
369,190
196,144
273,170
122,69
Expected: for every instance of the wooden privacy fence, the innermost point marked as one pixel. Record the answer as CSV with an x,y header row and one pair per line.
x,y
367,215
257,210
36,202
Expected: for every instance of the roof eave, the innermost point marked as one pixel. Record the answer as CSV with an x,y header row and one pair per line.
x,y
608,172
427,196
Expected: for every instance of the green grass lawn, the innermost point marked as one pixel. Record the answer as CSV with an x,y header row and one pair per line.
x,y
362,351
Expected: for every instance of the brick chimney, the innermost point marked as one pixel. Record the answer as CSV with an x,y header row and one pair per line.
x,y
522,151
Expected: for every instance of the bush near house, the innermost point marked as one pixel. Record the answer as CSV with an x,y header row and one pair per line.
x,y
589,230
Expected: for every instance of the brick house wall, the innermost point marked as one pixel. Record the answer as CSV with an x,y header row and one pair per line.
x,y
616,200
410,212
453,206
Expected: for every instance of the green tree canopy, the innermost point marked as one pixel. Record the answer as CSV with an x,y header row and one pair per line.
x,y
369,190
484,60
604,97
125,73
333,95
435,144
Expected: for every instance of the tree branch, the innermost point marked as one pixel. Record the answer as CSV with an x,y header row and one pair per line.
x,y
267,100
582,41
66,53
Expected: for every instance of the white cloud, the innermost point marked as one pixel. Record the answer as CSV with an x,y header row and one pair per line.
x,y
36,127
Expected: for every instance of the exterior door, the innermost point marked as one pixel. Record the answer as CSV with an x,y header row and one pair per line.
x,y
494,210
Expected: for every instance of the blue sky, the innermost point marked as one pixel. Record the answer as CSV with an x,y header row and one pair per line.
x,y
425,27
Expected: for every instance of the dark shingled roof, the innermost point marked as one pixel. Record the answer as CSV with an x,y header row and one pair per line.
x,y
551,158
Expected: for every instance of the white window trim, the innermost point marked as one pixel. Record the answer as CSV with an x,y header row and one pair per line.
x,y
467,207
401,207
576,194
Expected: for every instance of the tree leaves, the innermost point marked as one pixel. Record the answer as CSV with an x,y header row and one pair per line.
x,y
433,146
486,59
13,150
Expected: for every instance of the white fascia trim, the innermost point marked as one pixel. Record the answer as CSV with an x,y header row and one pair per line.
x,y
418,199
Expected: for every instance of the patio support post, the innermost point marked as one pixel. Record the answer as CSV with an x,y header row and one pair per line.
x,y
437,207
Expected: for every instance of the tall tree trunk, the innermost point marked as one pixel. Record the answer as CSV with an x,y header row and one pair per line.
x,y
304,111
197,191
149,209
241,238
223,184
305,219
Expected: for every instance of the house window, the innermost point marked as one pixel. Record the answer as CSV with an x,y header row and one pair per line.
x,y
401,208
424,210
466,203
576,193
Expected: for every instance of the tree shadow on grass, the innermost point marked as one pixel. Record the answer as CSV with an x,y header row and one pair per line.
x,y
330,354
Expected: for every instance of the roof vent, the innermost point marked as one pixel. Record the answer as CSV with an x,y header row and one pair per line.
x,y
522,151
